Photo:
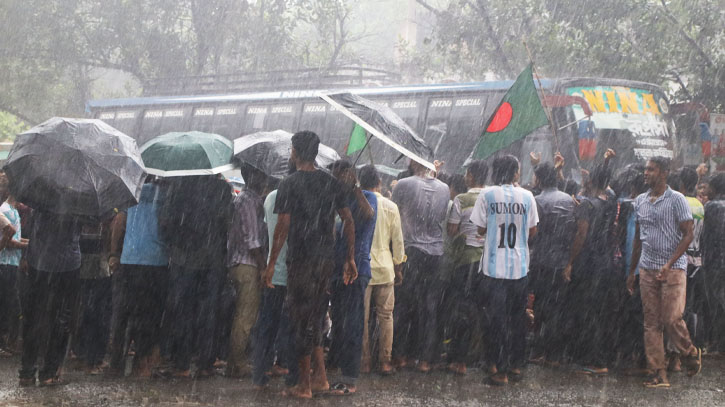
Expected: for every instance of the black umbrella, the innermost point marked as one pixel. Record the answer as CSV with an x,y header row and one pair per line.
x,y
269,152
78,167
382,122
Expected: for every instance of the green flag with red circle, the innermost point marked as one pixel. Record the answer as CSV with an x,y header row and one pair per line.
x,y
519,114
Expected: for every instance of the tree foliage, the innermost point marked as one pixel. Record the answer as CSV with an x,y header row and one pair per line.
x,y
649,40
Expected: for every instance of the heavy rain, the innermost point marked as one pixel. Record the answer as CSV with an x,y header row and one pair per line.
x,y
362,202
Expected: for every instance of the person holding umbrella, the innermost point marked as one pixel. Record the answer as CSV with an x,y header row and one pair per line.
x,y
306,205
68,171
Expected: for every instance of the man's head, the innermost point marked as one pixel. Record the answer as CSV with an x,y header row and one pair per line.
x,y
505,170
456,185
343,171
304,147
630,182
254,179
674,181
416,168
4,186
477,174
599,177
689,179
656,171
545,176
369,178
717,186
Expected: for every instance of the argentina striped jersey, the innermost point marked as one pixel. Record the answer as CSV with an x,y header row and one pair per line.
x,y
507,213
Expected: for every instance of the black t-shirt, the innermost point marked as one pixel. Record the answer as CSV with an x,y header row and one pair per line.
x,y
598,250
311,198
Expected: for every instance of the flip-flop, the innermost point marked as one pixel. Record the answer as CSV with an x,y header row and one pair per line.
x,y
656,383
692,368
591,372
340,389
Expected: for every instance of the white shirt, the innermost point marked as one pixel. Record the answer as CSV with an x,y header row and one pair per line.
x,y
507,213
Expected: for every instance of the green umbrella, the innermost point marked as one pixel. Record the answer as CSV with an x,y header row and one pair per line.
x,y
187,153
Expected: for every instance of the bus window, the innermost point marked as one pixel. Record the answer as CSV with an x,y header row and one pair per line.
x,y
202,119
174,120
436,125
254,120
408,110
338,128
228,121
313,117
282,117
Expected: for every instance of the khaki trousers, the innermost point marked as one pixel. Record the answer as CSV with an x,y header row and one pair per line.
x,y
247,285
663,303
384,297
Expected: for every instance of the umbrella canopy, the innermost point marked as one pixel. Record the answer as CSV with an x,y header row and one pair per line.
x,y
78,167
187,153
383,123
269,152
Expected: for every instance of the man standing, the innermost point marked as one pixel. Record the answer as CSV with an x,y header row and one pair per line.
x,y
664,232
507,216
465,249
54,262
306,204
713,258
386,258
246,261
549,255
194,221
10,255
593,294
347,311
423,203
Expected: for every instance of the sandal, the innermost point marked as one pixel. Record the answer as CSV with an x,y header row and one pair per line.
x,y
694,363
341,389
656,383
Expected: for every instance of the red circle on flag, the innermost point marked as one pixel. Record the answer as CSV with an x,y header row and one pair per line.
x,y
501,119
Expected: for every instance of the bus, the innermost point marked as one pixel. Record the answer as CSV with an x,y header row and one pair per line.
x,y
589,116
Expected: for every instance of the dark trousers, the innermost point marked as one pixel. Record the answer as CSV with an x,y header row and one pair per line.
x,y
416,308
348,322
51,298
715,300
95,318
139,299
271,333
9,305
549,290
631,337
506,318
695,309
194,305
463,307
594,301
308,281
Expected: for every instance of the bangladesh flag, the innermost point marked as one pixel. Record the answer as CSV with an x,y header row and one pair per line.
x,y
357,140
519,113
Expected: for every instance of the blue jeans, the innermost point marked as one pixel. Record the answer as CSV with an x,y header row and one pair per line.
x,y
348,321
272,332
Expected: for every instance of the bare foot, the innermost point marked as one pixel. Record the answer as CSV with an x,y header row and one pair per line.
x,y
318,387
297,392
423,367
182,374
365,367
278,370
400,363
386,369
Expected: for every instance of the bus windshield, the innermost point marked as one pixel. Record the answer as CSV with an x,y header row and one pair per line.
x,y
634,122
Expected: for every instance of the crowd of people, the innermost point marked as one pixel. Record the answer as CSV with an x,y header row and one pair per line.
x,y
330,269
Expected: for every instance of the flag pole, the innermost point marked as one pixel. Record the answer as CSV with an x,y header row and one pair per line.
x,y
543,97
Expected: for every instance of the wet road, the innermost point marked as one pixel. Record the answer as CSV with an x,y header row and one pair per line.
x,y
542,387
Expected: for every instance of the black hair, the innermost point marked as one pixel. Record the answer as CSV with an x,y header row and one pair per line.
x,y
663,163
600,176
689,179
546,175
505,169
717,185
368,177
571,188
457,182
340,165
674,181
630,181
479,172
306,144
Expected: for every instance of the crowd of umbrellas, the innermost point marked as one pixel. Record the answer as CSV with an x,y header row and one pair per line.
x,y
85,167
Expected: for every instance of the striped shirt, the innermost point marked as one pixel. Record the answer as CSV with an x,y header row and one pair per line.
x,y
659,228
507,213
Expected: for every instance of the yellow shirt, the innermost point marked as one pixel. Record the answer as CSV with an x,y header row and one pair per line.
x,y
387,229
